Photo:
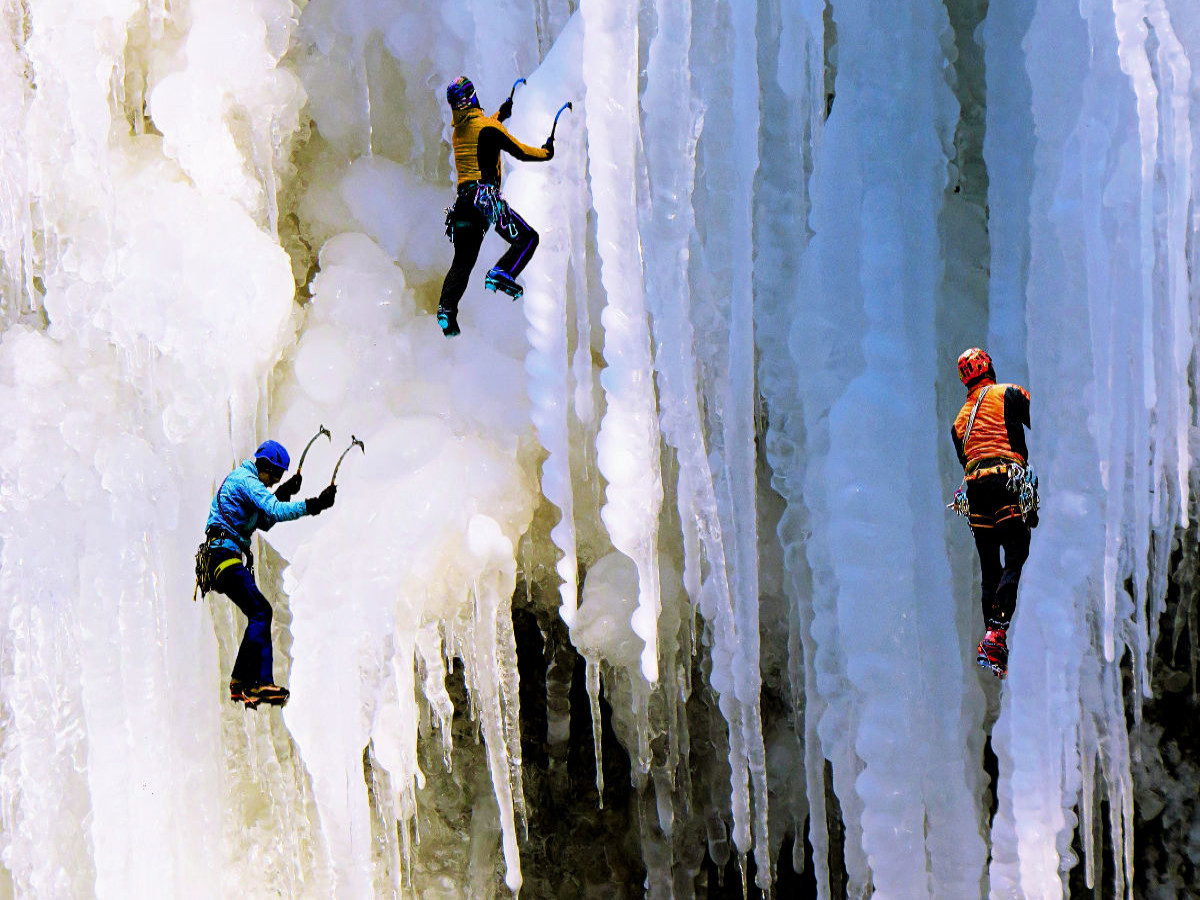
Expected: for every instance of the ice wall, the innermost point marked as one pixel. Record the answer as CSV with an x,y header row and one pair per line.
x,y
709,446
1110,316
145,306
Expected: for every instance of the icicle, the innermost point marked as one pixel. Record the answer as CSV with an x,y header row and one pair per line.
x,y
656,849
560,671
495,681
429,648
510,702
593,690
793,112
1087,805
627,445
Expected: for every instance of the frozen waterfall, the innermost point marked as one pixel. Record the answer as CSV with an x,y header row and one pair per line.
x,y
644,586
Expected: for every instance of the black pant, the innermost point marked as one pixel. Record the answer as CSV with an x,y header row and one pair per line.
x,y
469,226
254,662
996,525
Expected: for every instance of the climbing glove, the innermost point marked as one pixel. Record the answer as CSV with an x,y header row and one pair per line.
x,y
505,111
322,501
549,147
289,488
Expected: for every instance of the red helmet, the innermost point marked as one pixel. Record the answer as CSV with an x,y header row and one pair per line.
x,y
973,364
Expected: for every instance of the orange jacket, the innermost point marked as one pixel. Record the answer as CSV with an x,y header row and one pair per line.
x,y
999,429
478,139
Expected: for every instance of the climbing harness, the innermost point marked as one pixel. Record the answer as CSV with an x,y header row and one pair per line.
x,y
206,571
487,201
1022,480
492,206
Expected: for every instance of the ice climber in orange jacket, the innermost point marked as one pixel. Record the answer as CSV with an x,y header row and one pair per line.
x,y
989,437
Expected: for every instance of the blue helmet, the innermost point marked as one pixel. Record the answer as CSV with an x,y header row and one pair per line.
x,y
460,93
274,453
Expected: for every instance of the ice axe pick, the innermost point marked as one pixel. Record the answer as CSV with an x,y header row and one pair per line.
x,y
321,431
566,105
353,442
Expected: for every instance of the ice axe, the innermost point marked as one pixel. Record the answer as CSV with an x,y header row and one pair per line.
x,y
565,106
353,442
514,88
321,431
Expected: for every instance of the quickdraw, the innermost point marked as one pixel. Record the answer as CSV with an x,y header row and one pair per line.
x,y
207,573
491,205
1023,484
204,572
960,501
487,200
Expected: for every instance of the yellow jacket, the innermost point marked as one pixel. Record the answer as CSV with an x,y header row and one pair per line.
x,y
478,139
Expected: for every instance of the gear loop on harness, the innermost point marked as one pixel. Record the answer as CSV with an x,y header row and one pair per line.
x,y
959,505
1023,484
488,203
492,206
206,570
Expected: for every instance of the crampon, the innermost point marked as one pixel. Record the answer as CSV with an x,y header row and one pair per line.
x,y
499,280
993,651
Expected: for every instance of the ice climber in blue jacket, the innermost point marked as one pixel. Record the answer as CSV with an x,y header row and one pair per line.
x,y
242,505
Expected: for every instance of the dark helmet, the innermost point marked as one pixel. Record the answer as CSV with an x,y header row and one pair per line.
x,y
274,454
974,364
460,93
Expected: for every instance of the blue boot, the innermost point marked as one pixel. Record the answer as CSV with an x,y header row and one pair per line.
x,y
499,280
448,321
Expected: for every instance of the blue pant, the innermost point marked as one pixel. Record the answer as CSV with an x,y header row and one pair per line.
x,y
253,665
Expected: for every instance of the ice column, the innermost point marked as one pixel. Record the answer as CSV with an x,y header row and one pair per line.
x,y
125,393
880,572
546,194
791,64
1108,314
726,81
1051,635
16,212
627,444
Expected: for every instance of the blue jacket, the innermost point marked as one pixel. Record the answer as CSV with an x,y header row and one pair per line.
x,y
244,504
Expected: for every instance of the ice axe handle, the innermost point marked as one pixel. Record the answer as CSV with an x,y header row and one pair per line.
x,y
322,431
353,442
514,88
565,106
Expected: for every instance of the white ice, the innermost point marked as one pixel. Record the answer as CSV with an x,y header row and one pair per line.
x,y
710,439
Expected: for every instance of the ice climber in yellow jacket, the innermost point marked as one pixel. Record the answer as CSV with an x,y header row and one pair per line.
x,y
478,140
